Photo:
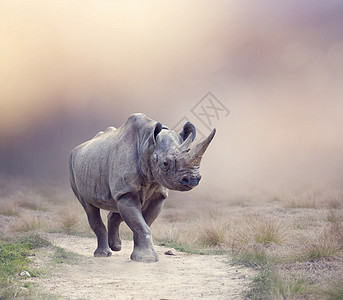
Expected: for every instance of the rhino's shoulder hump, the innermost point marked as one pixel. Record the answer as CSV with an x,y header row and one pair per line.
x,y
139,117
110,129
138,120
107,130
98,134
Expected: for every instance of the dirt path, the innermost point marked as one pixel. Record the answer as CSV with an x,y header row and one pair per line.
x,y
182,276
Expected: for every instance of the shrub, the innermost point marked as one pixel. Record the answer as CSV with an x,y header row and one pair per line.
x,y
29,223
213,232
334,289
327,242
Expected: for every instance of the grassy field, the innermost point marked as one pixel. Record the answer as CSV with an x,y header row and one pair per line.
x,y
293,240
24,259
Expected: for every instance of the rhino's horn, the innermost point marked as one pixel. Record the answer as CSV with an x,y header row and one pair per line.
x,y
196,152
186,143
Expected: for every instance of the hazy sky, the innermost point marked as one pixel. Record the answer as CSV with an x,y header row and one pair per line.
x,y
70,68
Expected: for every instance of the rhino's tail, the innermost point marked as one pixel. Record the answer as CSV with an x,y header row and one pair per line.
x,y
71,175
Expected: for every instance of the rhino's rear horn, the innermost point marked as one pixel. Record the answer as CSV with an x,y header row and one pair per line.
x,y
196,152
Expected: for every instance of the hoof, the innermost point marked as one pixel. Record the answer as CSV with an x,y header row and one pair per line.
x,y
102,253
115,247
147,256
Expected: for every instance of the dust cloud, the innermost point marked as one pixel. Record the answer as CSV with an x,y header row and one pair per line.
x,y
69,70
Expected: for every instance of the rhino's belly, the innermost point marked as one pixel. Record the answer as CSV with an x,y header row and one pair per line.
x,y
99,196
107,203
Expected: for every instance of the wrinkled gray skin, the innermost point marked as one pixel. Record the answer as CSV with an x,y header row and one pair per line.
x,y
128,172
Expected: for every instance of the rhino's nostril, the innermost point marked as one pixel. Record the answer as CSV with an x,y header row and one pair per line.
x,y
185,180
190,180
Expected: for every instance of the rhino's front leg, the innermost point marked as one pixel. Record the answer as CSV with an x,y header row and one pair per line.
x,y
154,208
129,207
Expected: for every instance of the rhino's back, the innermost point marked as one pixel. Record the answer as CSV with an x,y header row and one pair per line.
x,y
106,167
98,148
108,130
89,168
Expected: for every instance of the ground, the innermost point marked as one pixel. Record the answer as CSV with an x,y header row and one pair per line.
x,y
290,242
179,276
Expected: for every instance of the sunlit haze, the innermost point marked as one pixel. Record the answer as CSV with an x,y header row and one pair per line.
x,y
69,69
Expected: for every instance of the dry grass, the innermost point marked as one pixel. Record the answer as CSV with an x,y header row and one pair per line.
x,y
306,199
31,201
69,222
30,223
335,203
253,229
167,234
270,284
213,232
285,238
266,230
334,216
254,256
332,199
289,287
334,289
23,199
324,243
70,217
9,208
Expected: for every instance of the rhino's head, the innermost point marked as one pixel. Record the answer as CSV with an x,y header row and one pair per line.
x,y
175,160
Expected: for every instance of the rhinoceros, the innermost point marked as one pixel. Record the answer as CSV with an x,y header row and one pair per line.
x,y
128,171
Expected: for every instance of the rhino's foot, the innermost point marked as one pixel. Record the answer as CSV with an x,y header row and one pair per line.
x,y
115,246
102,252
146,256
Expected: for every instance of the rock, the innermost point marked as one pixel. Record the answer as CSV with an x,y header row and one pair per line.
x,y
25,273
169,252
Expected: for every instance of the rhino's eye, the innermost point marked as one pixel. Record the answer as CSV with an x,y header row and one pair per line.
x,y
168,165
165,165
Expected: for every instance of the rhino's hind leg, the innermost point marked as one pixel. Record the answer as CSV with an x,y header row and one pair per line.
x,y
113,222
95,221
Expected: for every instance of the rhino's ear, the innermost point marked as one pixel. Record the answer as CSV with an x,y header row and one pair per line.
x,y
157,130
188,129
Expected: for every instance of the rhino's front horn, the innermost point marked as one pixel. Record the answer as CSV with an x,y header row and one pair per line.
x,y
196,152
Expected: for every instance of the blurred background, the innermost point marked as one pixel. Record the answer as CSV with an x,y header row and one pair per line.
x,y
69,69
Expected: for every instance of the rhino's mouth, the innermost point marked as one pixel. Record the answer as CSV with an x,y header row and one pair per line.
x,y
185,188
179,186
